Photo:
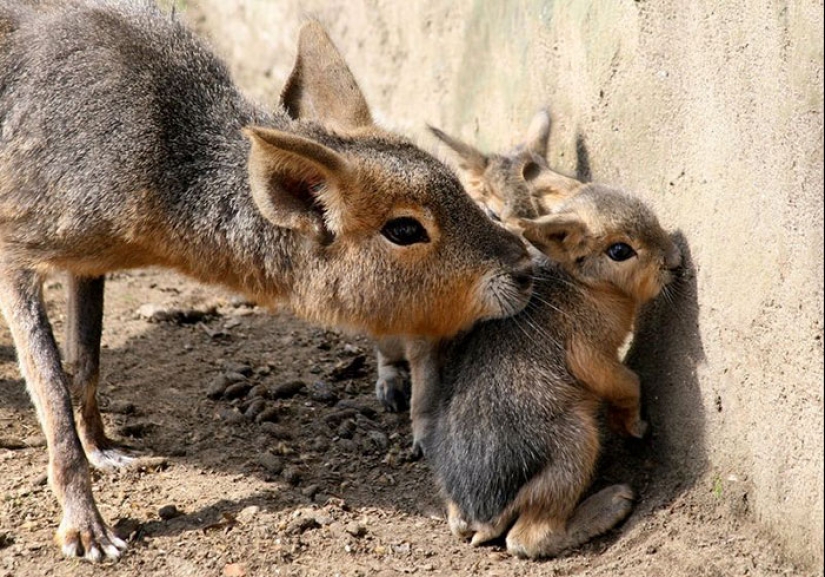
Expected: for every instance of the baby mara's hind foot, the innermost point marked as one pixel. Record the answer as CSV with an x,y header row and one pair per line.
x,y
627,422
477,533
535,536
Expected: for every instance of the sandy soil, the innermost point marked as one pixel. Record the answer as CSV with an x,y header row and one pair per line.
x,y
319,483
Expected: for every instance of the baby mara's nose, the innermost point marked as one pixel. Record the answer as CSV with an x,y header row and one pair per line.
x,y
673,257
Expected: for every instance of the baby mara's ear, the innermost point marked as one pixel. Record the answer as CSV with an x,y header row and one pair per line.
x,y
469,158
538,133
321,86
297,182
562,237
546,185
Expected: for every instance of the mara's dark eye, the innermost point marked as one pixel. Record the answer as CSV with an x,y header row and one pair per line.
x,y
530,171
405,231
620,251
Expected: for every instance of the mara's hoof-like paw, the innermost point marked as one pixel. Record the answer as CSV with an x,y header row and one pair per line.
x,y
457,523
627,423
486,534
92,541
393,393
112,458
416,450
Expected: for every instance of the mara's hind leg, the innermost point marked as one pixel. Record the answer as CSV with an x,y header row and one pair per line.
x,y
478,533
82,532
84,324
599,513
538,535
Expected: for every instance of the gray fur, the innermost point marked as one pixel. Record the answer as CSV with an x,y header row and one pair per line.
x,y
504,404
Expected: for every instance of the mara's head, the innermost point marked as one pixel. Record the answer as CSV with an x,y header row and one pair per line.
x,y
608,240
396,245
517,184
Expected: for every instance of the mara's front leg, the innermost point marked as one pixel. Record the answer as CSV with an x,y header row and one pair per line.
x,y
82,532
608,378
423,356
84,325
393,385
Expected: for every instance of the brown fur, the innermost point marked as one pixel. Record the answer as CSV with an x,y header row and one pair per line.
x,y
510,186
521,395
516,184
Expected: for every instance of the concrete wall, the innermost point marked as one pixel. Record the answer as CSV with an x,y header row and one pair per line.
x,y
712,111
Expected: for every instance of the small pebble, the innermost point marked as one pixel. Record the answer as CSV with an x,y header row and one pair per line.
x,y
301,525
379,440
355,529
349,369
168,512
234,377
321,392
246,514
254,409
348,445
236,367
276,430
287,390
310,491
217,387
334,419
238,301
291,475
259,392
268,415
319,444
120,408
231,415
234,570
347,429
237,390
272,463
362,408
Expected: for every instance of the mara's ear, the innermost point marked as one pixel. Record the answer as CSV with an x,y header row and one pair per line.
x,y
469,158
559,236
548,186
295,181
538,133
321,86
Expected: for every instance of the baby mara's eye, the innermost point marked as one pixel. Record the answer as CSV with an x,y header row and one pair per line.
x,y
404,231
620,251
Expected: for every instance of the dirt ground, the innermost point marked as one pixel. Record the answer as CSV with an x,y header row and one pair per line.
x,y
295,469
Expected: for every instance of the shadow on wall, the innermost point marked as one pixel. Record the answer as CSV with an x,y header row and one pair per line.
x,y
583,172
666,350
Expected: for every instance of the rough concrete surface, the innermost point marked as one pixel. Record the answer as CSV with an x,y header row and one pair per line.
x,y
712,111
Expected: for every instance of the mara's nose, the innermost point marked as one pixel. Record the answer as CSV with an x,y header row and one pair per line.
x,y
523,277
